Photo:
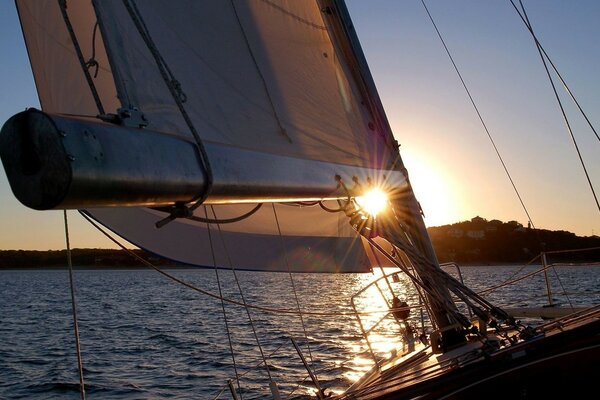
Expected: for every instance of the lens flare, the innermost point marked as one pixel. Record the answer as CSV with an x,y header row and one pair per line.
x,y
373,202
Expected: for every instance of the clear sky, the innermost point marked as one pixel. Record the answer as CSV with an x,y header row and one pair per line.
x,y
452,164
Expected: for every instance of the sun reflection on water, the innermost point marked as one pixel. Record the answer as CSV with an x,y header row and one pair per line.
x,y
385,334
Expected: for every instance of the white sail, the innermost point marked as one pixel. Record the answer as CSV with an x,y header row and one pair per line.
x,y
60,80
263,76
260,75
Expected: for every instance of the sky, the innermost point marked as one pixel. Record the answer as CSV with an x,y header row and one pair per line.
x,y
452,164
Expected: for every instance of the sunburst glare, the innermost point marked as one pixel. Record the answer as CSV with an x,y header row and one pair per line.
x,y
373,202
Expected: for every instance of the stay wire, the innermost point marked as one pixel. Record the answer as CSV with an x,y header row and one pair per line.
x,y
525,19
479,115
287,264
74,308
212,252
556,71
262,354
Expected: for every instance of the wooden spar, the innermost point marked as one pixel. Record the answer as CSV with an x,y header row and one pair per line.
x,y
60,162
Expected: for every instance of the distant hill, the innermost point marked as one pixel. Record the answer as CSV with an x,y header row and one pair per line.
x,y
80,258
480,241
477,241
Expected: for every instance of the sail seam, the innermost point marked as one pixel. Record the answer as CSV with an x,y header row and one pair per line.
x,y
262,78
487,131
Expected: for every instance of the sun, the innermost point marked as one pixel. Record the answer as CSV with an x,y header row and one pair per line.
x,y
373,202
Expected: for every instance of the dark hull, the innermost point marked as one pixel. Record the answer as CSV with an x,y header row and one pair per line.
x,y
561,364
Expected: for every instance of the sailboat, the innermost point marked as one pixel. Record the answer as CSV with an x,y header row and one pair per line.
x,y
194,128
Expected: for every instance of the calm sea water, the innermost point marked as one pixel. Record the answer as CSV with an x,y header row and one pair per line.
x,y
144,336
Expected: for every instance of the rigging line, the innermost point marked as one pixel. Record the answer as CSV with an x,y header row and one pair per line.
x,y
564,83
452,284
389,285
74,308
62,4
287,264
48,34
479,115
262,354
252,368
512,276
560,105
92,61
564,290
260,74
212,253
431,291
331,210
176,93
226,220
214,296
216,221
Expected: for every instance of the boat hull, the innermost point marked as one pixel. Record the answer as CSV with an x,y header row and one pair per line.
x,y
562,363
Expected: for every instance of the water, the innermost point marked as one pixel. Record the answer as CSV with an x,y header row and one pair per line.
x,y
145,337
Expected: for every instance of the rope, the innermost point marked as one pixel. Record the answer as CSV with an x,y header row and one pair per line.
x,y
479,115
560,105
92,61
287,264
74,308
227,220
262,354
63,9
212,252
178,96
